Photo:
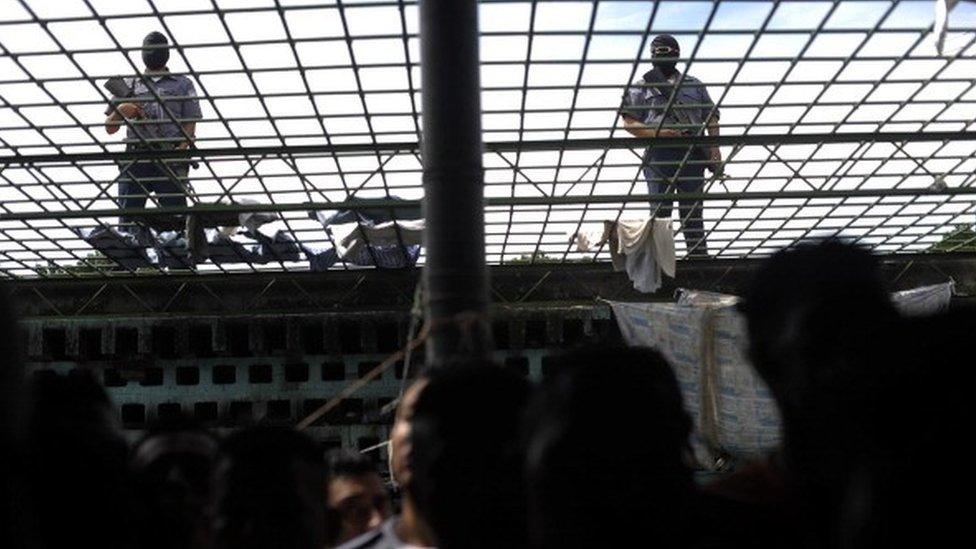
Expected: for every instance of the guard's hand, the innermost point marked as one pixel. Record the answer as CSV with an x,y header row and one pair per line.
x,y
715,161
130,110
667,133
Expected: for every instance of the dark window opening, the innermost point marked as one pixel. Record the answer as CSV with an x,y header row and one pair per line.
x,y
126,342
90,344
164,341
169,411
535,333
279,410
350,337
275,337
205,411
151,377
364,368
54,343
241,411
238,339
259,373
333,371
312,339
224,374
201,341
387,337
573,331
188,375
296,373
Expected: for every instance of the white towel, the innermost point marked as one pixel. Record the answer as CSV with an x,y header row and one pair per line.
x,y
642,247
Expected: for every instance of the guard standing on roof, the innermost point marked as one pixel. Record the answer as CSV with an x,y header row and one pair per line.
x,y
161,111
667,103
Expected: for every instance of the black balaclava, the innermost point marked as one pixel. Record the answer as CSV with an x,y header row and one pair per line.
x,y
665,52
155,58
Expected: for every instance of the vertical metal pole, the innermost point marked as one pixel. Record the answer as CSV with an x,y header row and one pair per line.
x,y
456,277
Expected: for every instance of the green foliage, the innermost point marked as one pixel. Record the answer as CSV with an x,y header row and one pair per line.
x,y
544,259
88,267
961,239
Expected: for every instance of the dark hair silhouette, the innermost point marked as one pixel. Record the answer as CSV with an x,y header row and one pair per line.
x,y
467,458
346,463
171,470
821,334
906,494
269,491
608,440
77,462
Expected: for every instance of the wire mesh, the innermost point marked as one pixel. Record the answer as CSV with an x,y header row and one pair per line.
x,y
837,118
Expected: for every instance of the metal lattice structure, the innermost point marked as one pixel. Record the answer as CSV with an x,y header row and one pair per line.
x,y
837,118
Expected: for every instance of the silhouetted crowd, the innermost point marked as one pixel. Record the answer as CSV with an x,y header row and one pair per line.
x,y
876,411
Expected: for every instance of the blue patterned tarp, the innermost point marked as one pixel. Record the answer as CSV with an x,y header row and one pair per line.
x,y
704,338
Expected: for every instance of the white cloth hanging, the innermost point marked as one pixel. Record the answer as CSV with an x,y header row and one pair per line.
x,y
642,247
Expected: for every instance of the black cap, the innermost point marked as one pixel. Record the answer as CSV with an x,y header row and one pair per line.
x,y
156,57
665,40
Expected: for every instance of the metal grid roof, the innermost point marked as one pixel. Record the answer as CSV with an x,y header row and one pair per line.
x,y
837,117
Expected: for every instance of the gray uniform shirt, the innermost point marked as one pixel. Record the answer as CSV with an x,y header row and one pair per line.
x,y
180,99
690,110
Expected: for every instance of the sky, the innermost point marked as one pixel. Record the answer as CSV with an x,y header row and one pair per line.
x,y
550,70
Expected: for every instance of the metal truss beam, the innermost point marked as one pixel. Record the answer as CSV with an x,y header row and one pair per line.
x,y
502,146
354,292
490,202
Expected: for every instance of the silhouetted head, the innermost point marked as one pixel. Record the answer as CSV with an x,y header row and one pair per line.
x,y
822,335
665,52
608,441
171,470
356,499
78,460
903,496
268,491
809,310
400,444
466,458
156,51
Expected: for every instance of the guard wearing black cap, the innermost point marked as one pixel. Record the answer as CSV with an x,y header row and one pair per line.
x,y
161,111
667,103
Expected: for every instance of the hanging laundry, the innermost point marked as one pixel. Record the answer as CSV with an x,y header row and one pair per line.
x,y
232,248
368,216
121,247
279,246
170,251
382,257
391,234
644,248
384,237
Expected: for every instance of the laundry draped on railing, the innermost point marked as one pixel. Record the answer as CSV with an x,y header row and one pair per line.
x,y
704,338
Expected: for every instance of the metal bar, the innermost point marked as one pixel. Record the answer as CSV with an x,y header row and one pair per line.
x,y
456,276
510,146
489,202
